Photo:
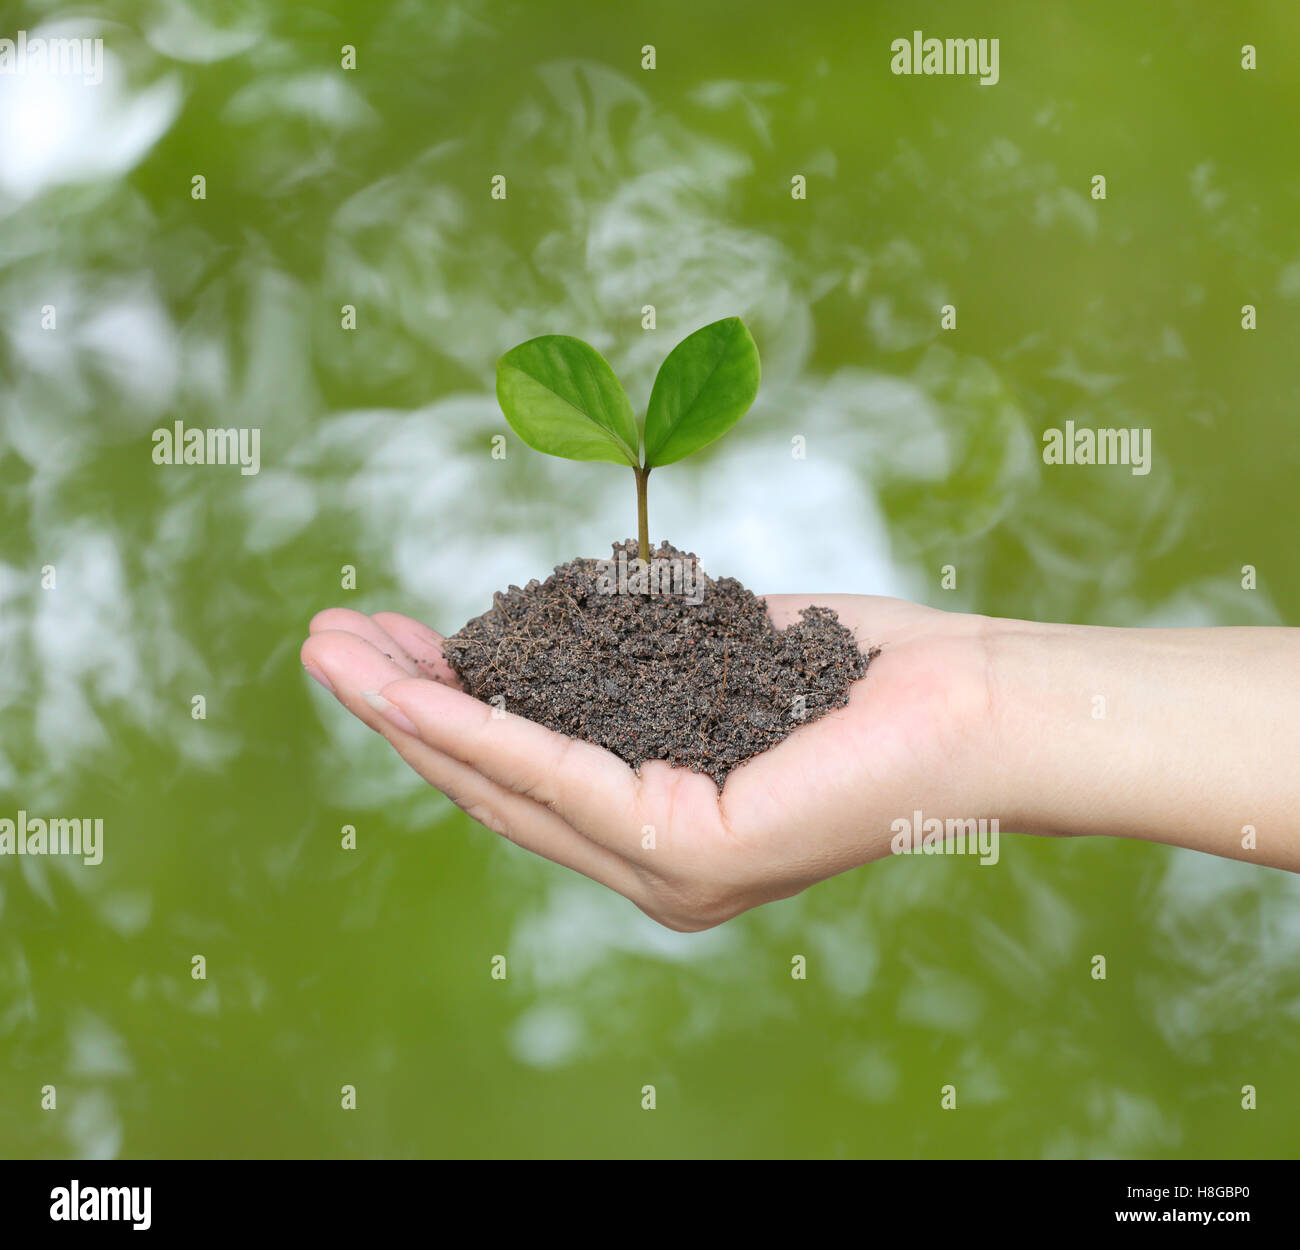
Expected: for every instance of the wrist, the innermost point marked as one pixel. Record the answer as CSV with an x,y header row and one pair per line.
x,y
1038,703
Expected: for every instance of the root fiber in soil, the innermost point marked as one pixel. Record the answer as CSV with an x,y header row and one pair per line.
x,y
658,663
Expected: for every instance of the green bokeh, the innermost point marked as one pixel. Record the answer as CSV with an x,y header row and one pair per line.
x,y
626,188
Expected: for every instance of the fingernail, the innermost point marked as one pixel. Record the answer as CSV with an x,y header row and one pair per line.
x,y
314,672
389,709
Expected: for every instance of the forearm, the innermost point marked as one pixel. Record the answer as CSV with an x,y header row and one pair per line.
x,y
1184,736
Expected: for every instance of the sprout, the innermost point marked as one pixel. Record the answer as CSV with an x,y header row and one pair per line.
x,y
561,397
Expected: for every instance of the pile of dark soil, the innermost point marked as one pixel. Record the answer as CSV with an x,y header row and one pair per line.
x,y
685,668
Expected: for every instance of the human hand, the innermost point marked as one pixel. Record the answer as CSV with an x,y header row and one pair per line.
x,y
821,802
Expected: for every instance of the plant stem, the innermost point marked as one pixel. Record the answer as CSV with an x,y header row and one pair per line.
x,y
642,517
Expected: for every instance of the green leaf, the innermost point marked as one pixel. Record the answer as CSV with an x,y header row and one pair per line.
x,y
704,387
561,397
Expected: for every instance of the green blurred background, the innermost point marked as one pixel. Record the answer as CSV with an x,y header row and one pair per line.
x,y
626,187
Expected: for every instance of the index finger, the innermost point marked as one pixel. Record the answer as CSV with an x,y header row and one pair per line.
x,y
582,783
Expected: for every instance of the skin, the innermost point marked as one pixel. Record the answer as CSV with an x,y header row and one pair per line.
x,y
960,716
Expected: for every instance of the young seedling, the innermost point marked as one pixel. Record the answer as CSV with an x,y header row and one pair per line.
x,y
561,397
